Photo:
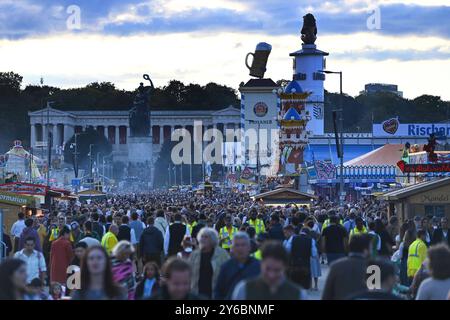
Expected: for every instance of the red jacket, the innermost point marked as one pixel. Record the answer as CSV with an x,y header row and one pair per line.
x,y
61,254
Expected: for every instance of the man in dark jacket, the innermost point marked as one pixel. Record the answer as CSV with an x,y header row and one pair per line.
x,y
441,234
151,243
272,284
303,248
125,232
174,236
200,225
96,225
276,229
347,275
240,267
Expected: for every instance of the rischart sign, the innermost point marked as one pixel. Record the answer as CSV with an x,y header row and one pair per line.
x,y
427,167
393,128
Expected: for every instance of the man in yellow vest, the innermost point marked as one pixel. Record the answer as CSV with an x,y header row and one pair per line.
x,y
417,253
109,240
256,223
326,223
226,233
359,228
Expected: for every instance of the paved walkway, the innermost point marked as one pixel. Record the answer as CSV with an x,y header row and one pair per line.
x,y
316,295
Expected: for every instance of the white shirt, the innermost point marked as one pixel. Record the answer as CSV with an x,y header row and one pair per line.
x,y
379,239
287,244
35,263
17,228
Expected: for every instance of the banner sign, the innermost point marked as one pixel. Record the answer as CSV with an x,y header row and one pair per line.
x,y
431,167
325,170
24,188
15,199
393,128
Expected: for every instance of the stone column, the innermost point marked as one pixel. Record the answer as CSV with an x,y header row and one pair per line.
x,y
44,133
105,131
161,134
128,131
69,131
56,138
116,128
33,136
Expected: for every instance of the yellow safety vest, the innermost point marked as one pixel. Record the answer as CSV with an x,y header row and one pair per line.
x,y
357,231
55,234
109,241
417,253
258,224
257,255
326,223
191,226
224,235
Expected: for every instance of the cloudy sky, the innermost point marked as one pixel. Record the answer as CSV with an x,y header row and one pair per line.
x,y
206,40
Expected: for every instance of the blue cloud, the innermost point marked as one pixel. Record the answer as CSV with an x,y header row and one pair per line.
x,y
400,55
269,16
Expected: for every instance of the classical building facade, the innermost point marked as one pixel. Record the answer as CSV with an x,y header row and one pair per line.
x,y
115,126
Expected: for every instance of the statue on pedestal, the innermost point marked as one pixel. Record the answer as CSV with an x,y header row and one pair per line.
x,y
139,115
309,30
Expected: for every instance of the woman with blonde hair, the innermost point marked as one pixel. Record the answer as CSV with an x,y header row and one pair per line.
x,y
123,266
206,262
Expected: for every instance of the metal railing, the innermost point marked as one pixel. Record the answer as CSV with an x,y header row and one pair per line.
x,y
368,172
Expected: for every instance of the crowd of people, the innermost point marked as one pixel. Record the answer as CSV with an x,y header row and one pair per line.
x,y
182,245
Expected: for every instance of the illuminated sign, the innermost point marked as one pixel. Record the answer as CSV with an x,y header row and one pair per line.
x,y
431,167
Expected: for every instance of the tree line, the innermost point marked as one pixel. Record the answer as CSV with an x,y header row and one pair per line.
x,y
16,100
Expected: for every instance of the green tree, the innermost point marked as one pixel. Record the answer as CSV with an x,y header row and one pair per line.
x,y
10,83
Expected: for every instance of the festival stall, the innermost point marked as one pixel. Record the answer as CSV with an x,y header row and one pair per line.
x,y
284,196
11,204
91,195
426,198
45,195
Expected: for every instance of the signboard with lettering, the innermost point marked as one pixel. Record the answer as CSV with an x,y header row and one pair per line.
x,y
430,167
14,199
24,188
393,128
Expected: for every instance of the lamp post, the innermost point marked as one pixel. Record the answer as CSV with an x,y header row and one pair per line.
x,y
90,164
75,154
341,121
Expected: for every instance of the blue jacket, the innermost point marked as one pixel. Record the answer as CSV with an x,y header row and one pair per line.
x,y
231,273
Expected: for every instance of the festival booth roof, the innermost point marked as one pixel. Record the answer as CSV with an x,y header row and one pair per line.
x,y
91,195
389,154
430,197
416,189
33,189
283,196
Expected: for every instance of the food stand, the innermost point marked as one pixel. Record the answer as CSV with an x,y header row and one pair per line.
x,y
11,204
284,196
